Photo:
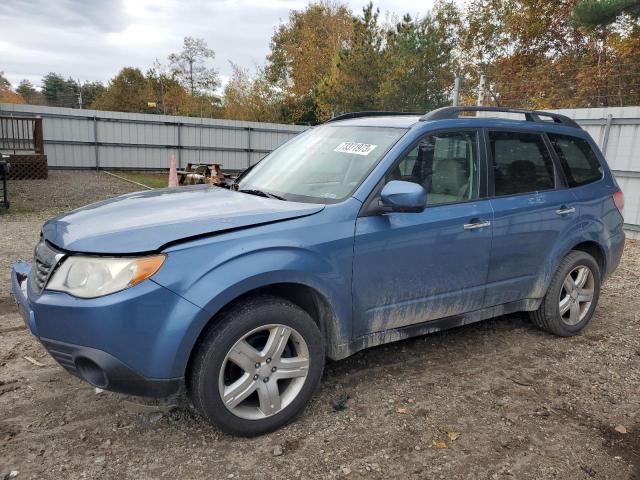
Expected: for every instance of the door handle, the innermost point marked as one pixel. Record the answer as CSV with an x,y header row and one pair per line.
x,y
565,210
478,224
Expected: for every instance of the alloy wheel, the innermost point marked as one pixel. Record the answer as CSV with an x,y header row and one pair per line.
x,y
264,371
576,295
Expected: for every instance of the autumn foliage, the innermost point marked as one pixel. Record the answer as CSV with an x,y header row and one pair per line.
x,y
326,59
534,53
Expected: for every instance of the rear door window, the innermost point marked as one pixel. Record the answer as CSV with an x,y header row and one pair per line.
x,y
521,163
578,160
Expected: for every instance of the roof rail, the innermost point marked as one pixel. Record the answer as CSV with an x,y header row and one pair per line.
x,y
529,115
372,113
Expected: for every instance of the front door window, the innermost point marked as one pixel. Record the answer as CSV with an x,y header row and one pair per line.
x,y
445,164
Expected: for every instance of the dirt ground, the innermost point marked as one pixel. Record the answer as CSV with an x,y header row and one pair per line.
x,y
494,400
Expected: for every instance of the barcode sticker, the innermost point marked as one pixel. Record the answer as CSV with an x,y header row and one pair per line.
x,y
355,148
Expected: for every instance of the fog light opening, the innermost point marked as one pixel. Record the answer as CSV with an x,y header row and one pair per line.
x,y
91,372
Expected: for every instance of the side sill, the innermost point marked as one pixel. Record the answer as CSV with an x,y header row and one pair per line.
x,y
433,326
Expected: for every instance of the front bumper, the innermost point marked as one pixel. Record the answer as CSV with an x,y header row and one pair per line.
x,y
103,370
136,341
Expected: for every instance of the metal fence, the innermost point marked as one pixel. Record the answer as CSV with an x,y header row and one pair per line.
x,y
114,140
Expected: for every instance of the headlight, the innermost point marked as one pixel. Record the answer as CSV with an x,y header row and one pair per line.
x,y
90,277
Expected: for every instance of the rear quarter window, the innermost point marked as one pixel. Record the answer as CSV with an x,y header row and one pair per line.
x,y
577,158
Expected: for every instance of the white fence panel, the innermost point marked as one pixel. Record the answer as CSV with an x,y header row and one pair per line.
x,y
97,139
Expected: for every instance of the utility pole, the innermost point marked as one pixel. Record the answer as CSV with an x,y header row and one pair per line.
x,y
456,92
80,94
482,88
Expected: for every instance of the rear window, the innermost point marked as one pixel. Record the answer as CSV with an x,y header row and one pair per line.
x,y
577,158
521,163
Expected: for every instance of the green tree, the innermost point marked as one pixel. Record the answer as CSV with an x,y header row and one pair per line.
x,y
91,91
190,66
361,67
26,89
30,94
421,62
60,92
599,13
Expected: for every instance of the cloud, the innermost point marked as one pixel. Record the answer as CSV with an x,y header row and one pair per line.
x,y
92,40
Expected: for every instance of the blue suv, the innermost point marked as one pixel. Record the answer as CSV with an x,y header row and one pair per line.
x,y
369,229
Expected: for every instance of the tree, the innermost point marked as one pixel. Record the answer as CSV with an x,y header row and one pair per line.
x,y
303,57
128,91
535,55
361,67
421,62
7,95
250,99
32,96
599,13
60,92
26,90
190,66
91,91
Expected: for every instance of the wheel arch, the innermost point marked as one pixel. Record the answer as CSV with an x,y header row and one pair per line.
x,y
594,249
310,299
573,239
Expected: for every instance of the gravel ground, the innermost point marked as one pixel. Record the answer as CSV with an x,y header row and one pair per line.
x,y
498,399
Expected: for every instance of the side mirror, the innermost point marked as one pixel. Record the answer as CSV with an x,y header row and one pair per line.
x,y
399,196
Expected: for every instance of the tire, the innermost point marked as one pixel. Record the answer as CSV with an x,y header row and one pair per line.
x,y
260,399
570,321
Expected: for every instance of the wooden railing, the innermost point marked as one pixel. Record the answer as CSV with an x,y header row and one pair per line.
x,y
21,134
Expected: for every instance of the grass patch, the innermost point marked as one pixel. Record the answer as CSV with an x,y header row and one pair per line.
x,y
16,210
151,180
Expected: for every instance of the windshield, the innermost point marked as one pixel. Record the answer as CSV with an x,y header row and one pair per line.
x,y
324,164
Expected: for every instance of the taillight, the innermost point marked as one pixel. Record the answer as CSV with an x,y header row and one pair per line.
x,y
618,199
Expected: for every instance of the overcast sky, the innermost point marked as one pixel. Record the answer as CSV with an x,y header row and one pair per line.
x,y
92,40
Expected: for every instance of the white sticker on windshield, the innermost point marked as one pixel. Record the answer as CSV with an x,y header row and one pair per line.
x,y
355,147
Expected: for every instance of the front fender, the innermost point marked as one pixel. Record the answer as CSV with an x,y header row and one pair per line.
x,y
211,273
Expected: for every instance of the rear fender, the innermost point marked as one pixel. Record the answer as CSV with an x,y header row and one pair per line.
x,y
589,231
572,236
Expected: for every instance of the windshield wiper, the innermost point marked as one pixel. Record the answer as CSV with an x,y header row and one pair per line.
x,y
261,193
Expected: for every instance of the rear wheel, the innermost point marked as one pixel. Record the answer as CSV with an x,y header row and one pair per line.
x,y
256,370
571,299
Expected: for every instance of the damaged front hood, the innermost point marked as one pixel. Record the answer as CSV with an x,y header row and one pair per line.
x,y
146,221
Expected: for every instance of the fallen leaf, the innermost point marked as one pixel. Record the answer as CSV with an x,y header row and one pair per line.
x,y
402,410
620,429
34,361
453,435
440,444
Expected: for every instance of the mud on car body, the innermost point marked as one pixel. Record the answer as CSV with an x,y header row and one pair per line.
x,y
368,229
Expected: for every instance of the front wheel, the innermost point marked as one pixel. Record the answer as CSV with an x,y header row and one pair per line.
x,y
571,299
258,367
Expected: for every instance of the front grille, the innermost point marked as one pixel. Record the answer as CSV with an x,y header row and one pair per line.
x,y
45,260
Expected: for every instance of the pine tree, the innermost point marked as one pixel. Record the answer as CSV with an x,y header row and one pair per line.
x,y
595,13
